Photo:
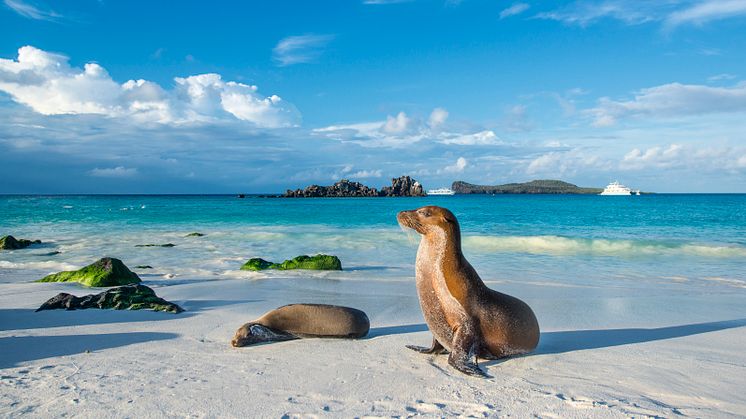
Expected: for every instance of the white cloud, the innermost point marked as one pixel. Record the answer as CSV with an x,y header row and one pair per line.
x,y
366,174
513,10
486,137
31,11
674,99
671,13
658,156
721,77
114,172
398,124
402,131
437,118
707,11
714,158
457,167
563,163
46,83
585,12
516,119
300,49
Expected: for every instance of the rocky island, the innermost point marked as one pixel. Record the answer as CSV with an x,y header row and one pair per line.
x,y
532,187
401,186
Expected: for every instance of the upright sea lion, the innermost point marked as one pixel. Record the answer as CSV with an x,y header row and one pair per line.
x,y
466,318
296,321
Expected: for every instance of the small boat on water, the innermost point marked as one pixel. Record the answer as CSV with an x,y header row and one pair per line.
x,y
616,188
441,191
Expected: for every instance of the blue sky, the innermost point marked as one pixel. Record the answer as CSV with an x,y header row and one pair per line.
x,y
224,97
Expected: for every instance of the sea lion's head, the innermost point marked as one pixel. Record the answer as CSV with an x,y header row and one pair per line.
x,y
428,220
253,333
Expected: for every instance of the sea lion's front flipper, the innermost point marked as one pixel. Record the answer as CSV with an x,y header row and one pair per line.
x,y
463,352
267,334
435,349
253,333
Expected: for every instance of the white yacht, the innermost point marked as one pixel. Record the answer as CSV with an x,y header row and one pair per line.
x,y
441,191
616,188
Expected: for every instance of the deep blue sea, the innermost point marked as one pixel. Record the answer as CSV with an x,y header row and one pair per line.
x,y
691,243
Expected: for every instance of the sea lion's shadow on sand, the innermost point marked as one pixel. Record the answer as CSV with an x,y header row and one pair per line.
x,y
579,340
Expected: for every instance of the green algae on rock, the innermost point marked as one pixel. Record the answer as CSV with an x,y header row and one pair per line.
x,y
106,272
11,243
318,262
129,297
195,234
257,264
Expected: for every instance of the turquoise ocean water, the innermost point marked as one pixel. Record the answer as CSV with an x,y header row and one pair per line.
x,y
685,244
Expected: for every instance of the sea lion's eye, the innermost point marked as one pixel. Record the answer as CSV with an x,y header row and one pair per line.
x,y
424,213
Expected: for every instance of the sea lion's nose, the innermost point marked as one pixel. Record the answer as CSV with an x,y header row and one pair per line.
x,y
404,213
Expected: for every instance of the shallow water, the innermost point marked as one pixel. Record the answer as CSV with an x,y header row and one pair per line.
x,y
671,242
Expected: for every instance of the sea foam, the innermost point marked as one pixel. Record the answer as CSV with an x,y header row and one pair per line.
x,y
558,245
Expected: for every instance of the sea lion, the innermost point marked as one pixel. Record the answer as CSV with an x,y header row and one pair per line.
x,y
465,317
296,321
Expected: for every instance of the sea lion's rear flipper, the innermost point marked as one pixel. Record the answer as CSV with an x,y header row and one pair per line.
x,y
463,350
435,349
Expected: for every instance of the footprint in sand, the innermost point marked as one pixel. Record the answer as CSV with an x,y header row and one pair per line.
x,y
582,403
452,408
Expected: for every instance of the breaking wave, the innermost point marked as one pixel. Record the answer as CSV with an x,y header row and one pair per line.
x,y
558,245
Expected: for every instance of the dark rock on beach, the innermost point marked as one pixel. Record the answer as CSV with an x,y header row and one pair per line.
x,y
52,253
401,186
195,234
319,263
11,243
156,245
143,267
130,297
106,272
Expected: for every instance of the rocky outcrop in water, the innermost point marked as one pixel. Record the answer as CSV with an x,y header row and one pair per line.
x,y
401,186
106,272
532,187
11,243
130,297
317,263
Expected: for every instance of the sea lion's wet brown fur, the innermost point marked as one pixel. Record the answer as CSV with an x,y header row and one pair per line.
x,y
467,318
303,320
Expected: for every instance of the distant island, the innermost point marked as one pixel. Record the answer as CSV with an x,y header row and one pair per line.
x,y
401,186
532,187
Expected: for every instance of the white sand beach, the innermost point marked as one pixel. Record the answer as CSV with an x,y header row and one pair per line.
x,y
602,354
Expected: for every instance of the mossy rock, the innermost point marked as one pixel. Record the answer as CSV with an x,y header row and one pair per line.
x,y
195,234
317,262
156,245
106,272
129,297
11,243
257,264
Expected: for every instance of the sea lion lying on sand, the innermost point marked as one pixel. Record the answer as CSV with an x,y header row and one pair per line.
x,y
466,318
296,321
